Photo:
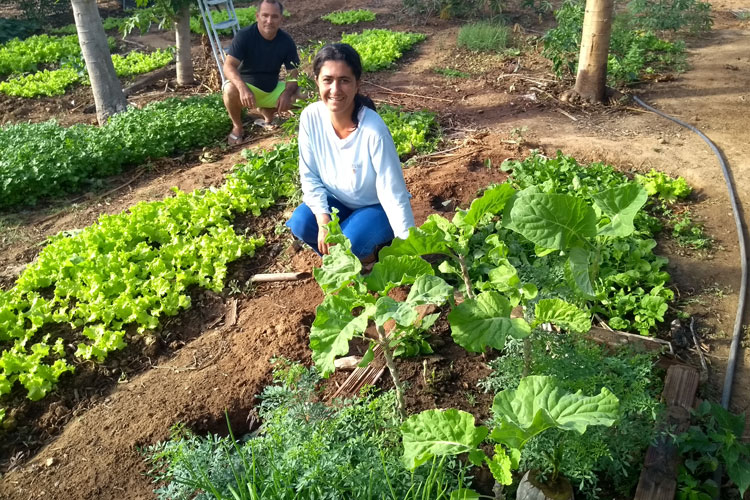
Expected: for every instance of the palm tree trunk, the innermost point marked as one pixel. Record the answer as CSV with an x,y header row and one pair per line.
x,y
592,62
182,35
105,85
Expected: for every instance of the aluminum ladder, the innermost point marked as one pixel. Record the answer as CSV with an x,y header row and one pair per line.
x,y
212,28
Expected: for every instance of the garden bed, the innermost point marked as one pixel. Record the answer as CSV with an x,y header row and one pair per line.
x,y
102,414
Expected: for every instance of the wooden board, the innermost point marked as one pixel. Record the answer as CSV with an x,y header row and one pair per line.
x,y
658,479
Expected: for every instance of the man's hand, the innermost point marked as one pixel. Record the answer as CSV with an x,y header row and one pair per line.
x,y
246,97
285,101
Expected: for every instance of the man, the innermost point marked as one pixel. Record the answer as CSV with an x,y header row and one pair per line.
x,y
252,68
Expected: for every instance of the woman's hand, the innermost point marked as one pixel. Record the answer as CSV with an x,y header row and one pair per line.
x,y
322,220
322,245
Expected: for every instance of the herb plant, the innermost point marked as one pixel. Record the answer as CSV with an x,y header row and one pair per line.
x,y
380,48
350,16
349,450
612,455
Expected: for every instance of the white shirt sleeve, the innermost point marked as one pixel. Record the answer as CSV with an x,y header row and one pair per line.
x,y
390,184
314,193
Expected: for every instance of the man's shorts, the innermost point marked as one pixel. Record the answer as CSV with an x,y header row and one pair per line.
x,y
264,99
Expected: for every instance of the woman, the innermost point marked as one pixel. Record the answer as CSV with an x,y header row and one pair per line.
x,y
347,161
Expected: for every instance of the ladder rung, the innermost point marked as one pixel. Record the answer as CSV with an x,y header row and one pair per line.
x,y
215,2
226,24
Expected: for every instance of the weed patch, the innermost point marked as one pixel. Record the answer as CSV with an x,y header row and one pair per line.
x,y
484,36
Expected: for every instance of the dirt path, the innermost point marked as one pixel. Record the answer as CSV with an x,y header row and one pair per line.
x,y
96,457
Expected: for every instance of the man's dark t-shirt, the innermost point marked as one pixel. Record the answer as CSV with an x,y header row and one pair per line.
x,y
262,59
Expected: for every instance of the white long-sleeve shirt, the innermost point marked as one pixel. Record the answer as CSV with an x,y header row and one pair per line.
x,y
362,169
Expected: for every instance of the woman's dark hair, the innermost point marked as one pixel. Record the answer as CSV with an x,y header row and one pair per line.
x,y
344,52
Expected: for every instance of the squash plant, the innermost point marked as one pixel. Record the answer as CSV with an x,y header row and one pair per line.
x,y
535,406
352,301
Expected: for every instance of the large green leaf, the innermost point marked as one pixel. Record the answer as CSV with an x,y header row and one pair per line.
x,y
563,314
433,237
504,277
538,404
485,321
429,289
334,327
491,202
439,433
556,221
340,266
580,270
620,205
401,312
394,271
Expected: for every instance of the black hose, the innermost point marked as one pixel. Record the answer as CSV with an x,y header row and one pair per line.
x,y
726,395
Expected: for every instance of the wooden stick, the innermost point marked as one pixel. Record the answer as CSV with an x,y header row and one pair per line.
x,y
697,345
522,77
265,278
567,114
407,94
148,79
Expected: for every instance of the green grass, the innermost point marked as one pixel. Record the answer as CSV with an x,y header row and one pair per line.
x,y
484,36
451,72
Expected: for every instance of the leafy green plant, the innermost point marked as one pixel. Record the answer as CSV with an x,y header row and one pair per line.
x,y
625,280
346,291
138,267
136,63
350,16
611,455
413,132
56,82
46,83
689,234
665,187
714,440
674,15
484,36
345,451
380,48
77,156
536,406
635,49
21,56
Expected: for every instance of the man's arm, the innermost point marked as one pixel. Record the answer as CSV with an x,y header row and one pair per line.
x,y
286,99
232,73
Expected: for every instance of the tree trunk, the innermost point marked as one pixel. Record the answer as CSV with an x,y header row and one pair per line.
x,y
105,85
182,35
592,62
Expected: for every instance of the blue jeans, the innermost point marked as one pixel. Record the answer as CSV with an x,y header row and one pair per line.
x,y
366,227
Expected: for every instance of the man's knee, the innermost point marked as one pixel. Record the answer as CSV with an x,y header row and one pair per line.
x,y
229,90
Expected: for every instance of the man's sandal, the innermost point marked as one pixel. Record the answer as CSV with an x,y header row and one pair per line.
x,y
264,124
234,140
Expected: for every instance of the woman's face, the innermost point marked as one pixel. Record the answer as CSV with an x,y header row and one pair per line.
x,y
337,86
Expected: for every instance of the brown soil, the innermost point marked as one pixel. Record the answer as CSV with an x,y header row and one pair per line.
x,y
82,441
